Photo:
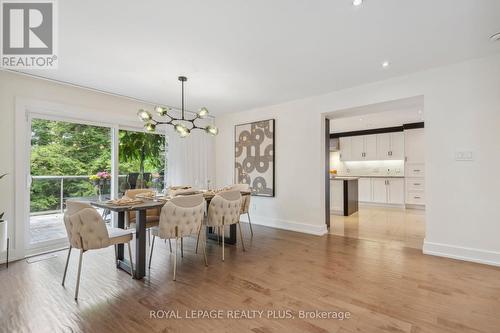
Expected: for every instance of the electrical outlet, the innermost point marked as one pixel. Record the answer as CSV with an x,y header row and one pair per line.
x,y
464,156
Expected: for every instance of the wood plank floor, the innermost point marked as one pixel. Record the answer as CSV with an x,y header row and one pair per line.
x,y
402,226
385,287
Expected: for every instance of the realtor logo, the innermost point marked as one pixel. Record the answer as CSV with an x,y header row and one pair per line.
x,y
28,34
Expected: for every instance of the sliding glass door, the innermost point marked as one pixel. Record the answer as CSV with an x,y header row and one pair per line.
x,y
64,155
141,160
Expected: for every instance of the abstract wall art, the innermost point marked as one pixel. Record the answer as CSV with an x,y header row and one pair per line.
x,y
254,156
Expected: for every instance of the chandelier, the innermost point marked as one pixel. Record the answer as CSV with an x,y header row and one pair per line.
x,y
179,124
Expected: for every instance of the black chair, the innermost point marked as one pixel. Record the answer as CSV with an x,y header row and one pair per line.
x,y
132,180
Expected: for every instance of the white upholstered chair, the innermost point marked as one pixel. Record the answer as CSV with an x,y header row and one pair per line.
x,y
180,217
245,202
224,210
175,191
86,230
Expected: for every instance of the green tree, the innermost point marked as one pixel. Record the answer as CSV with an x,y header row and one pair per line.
x,y
145,148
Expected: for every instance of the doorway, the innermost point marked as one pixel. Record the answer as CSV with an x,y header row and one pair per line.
x,y
379,151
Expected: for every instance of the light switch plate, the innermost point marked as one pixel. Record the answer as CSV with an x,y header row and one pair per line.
x,y
465,155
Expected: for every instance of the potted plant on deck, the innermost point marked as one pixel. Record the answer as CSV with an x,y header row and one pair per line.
x,y
3,229
99,180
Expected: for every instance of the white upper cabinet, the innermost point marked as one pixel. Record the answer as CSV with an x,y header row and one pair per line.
x,y
414,145
345,149
397,146
358,148
370,147
390,146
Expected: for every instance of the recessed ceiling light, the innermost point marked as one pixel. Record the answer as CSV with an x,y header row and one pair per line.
x,y
385,64
357,2
495,37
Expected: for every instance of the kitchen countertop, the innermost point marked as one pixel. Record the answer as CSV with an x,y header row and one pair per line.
x,y
344,178
374,176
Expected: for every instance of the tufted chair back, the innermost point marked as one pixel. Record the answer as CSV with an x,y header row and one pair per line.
x,y
225,204
85,227
245,199
185,213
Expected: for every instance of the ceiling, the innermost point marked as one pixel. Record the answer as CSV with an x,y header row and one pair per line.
x,y
242,54
379,115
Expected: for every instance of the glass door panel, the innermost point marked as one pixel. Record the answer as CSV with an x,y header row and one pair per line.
x,y
63,156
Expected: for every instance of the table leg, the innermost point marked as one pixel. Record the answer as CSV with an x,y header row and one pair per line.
x,y
228,240
122,263
121,224
140,244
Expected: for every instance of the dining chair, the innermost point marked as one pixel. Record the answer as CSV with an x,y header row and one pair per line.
x,y
245,202
86,231
180,217
224,210
152,215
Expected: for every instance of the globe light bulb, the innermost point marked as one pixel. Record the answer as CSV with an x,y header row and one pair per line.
x,y
203,112
212,130
162,111
144,115
182,130
150,127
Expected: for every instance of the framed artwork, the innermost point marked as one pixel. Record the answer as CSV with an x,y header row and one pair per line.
x,y
254,156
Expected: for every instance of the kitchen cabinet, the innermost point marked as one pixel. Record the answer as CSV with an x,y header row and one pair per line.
x,y
388,190
370,147
379,188
365,190
345,148
358,148
390,146
396,191
414,145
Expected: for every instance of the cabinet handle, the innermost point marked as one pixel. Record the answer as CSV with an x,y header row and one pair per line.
x,y
417,198
416,184
416,170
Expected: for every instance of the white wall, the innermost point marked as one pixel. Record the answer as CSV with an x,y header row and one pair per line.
x,y
462,112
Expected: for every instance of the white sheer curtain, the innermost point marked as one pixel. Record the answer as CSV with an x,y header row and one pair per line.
x,y
190,161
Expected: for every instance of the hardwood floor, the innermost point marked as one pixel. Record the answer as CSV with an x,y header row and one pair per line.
x,y
385,288
397,226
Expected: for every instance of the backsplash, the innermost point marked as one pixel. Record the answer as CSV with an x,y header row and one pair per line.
x,y
366,168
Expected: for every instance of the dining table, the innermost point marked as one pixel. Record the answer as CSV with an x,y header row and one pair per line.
x,y
147,202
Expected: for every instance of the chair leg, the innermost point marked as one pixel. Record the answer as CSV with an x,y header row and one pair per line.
x,y
182,248
130,258
66,267
175,255
222,236
205,251
151,251
116,255
170,245
78,276
241,236
198,239
250,223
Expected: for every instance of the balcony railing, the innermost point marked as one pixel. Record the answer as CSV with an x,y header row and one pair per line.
x,y
61,181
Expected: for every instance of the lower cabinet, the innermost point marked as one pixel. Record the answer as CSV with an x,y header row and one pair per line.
x,y
382,190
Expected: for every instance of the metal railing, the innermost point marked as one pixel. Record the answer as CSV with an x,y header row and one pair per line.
x,y
61,190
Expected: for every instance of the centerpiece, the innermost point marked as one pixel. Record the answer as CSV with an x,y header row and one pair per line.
x,y
99,180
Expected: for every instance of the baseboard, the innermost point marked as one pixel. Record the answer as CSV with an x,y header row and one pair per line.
x,y
287,225
417,207
462,253
380,204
